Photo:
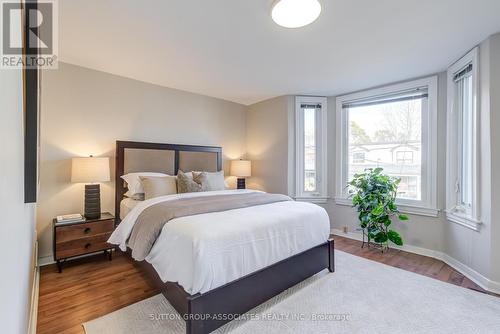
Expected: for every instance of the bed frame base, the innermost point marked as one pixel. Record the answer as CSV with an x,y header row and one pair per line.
x,y
202,312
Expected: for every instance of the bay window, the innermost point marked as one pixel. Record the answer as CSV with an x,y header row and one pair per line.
x,y
395,128
310,144
462,129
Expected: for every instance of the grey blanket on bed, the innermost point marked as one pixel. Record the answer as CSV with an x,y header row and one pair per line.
x,y
150,222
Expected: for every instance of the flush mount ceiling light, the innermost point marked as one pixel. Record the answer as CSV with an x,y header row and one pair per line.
x,y
295,13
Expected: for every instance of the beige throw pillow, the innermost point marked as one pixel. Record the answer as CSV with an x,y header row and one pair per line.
x,y
186,184
210,181
158,186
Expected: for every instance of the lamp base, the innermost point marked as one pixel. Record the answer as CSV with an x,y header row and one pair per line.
x,y
241,184
92,201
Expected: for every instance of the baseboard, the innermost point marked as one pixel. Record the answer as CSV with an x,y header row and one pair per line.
x,y
49,259
35,289
479,279
406,248
468,272
34,304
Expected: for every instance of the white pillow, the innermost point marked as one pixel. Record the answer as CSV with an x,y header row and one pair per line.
x,y
134,183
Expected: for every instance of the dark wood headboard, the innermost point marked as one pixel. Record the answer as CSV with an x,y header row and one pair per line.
x,y
177,152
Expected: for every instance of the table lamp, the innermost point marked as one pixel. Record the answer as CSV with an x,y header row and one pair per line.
x,y
241,169
91,171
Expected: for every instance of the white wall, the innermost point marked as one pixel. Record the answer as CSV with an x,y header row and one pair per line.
x,y
17,221
85,111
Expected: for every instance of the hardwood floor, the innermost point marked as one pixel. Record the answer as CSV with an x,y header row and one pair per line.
x,y
87,289
92,287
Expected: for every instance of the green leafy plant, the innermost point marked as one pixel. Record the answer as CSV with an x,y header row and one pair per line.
x,y
374,196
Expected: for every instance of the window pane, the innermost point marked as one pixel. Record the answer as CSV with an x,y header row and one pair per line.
x,y
465,85
309,149
388,135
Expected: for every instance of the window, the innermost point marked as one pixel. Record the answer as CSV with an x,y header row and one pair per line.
x,y
395,127
409,186
462,179
310,116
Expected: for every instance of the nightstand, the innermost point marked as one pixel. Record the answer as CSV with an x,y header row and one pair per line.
x,y
82,238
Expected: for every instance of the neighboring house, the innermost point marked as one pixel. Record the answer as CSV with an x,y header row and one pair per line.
x,y
402,160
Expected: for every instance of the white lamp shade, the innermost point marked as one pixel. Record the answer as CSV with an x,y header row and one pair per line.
x,y
90,170
241,168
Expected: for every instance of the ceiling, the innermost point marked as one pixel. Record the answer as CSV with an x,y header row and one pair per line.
x,y
231,49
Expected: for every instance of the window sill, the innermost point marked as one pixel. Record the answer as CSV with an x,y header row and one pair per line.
x,y
410,209
465,221
315,199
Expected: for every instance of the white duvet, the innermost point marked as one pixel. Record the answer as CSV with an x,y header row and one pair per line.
x,y
205,251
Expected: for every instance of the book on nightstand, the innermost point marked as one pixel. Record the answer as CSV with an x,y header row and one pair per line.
x,y
70,219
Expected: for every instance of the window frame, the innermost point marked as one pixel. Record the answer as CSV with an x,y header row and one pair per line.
x,y
454,214
321,193
428,205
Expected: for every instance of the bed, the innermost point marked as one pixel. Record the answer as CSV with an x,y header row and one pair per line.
x,y
126,205
215,265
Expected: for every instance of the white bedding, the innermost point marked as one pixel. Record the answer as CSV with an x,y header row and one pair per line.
x,y
126,205
203,252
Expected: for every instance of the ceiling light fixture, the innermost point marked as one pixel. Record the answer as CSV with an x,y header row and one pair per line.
x,y
295,13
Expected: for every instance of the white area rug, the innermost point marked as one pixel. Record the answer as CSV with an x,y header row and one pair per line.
x,y
362,296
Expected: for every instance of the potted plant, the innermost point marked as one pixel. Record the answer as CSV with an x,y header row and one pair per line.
x,y
374,195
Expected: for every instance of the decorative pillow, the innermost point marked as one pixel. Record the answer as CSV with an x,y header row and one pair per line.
x,y
186,184
156,186
134,183
210,181
226,185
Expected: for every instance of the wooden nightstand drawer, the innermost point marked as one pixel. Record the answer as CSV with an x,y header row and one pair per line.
x,y
78,231
82,237
82,246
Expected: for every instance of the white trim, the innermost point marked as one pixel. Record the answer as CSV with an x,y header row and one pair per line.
x,y
34,304
291,177
410,209
343,201
322,150
476,277
471,274
406,248
317,200
35,291
454,214
419,210
429,140
465,221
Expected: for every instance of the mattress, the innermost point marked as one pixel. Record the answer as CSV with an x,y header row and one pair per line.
x,y
126,205
205,251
